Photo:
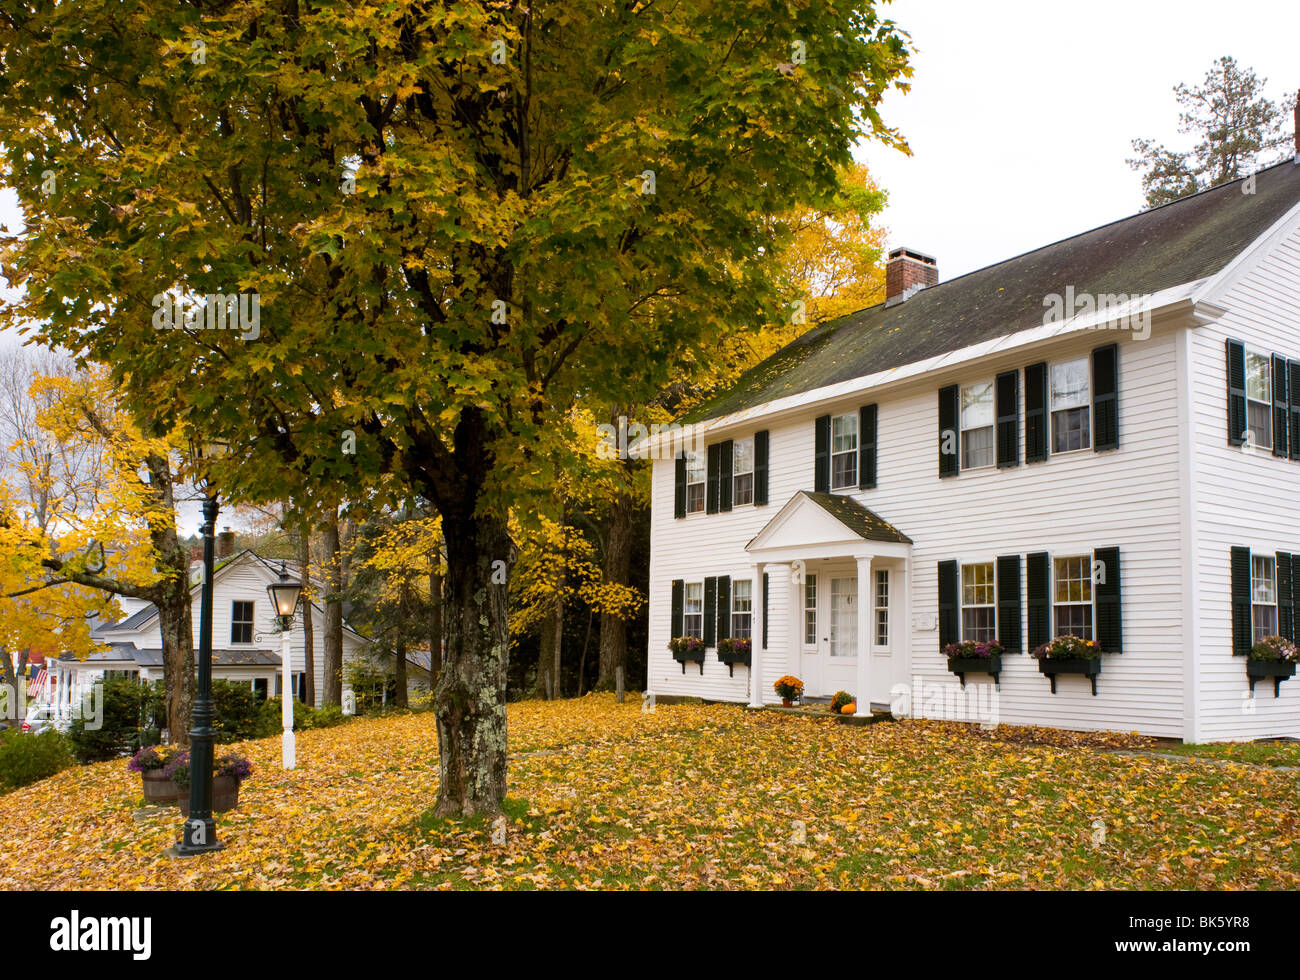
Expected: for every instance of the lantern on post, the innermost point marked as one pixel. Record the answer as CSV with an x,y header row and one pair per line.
x,y
284,595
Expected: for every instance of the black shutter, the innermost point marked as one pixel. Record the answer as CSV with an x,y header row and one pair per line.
x,y
710,610
1295,588
1009,602
949,433
1105,397
1281,408
1293,375
766,576
867,447
1241,616
822,463
714,464
1285,596
1038,575
760,468
724,607
1035,413
1008,409
679,495
1236,393
728,453
1107,603
678,627
949,631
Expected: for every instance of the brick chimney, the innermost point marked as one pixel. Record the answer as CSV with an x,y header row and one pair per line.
x,y
908,271
225,543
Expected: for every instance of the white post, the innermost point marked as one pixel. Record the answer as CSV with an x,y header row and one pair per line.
x,y
756,639
288,750
865,638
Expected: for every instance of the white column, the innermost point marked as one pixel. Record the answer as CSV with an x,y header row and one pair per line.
x,y
288,750
866,637
756,655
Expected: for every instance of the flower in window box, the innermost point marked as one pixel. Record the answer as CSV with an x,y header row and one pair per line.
x,y
1068,648
687,648
735,647
970,650
1275,649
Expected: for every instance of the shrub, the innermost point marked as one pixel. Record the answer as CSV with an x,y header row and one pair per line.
x,y
133,716
840,700
238,712
328,716
24,759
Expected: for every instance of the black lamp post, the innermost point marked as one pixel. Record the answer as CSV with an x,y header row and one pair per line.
x,y
199,832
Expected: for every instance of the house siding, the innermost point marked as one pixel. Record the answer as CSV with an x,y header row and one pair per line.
x,y
1242,500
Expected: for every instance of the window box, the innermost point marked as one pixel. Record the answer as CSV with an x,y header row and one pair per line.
x,y
1275,670
1088,668
735,650
687,649
1069,654
975,658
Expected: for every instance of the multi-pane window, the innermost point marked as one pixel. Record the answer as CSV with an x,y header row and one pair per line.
x,y
742,472
882,607
1072,598
844,451
844,617
742,609
978,604
1263,597
977,426
1259,399
696,472
810,610
241,622
1071,406
693,619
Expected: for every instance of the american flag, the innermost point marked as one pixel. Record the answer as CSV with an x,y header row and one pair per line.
x,y
39,685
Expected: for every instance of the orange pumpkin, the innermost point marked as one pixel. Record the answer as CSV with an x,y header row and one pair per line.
x,y
850,709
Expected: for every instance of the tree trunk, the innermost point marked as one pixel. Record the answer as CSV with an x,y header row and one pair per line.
x,y
470,700
333,611
399,674
617,570
308,626
435,623
179,682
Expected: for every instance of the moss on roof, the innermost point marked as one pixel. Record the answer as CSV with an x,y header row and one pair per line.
x,y
1182,242
858,519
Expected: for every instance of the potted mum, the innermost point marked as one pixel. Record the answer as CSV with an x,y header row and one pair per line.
x,y
790,688
1069,655
735,650
687,649
151,763
969,657
227,773
1272,658
841,700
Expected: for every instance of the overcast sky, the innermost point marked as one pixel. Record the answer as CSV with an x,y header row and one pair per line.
x,y
1021,112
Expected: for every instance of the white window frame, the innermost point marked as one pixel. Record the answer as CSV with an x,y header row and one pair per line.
x,y
880,604
251,622
1082,404
737,456
696,463
810,610
687,615
991,605
1263,596
742,610
1266,402
991,425
1086,602
850,421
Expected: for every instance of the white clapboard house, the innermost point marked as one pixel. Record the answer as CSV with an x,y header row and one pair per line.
x,y
246,638
1099,438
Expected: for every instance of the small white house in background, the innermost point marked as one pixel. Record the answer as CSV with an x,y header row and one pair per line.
x,y
1098,438
246,638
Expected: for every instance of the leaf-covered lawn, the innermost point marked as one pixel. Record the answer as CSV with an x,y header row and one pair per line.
x,y
604,796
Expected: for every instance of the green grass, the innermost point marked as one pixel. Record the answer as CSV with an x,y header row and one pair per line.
x,y
1250,753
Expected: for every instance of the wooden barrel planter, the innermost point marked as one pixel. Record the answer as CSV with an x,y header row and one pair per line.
x,y
1088,668
225,795
159,790
1275,670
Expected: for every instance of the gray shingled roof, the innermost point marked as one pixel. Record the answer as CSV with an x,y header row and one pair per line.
x,y
858,519
1183,242
128,652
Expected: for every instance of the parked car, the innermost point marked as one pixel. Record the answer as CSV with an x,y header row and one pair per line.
x,y
39,719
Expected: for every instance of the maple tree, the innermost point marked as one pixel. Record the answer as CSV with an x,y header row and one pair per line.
x,y
455,218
